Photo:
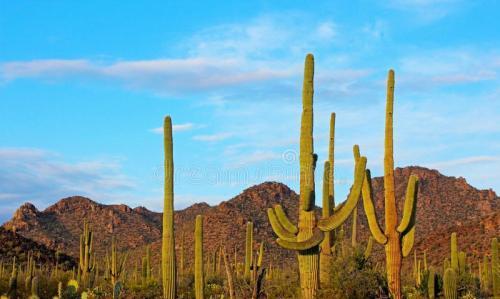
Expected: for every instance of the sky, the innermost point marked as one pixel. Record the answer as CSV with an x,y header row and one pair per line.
x,y
85,85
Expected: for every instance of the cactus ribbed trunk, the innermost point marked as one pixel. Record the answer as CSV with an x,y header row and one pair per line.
x,y
198,258
308,259
325,257
168,241
450,284
248,250
393,247
495,268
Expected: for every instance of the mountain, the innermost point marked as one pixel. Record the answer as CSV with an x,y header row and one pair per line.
x,y
14,244
445,204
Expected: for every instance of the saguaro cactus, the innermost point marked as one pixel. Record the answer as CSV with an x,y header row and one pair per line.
x,y
454,252
495,268
248,250
198,258
431,284
306,237
168,241
450,284
86,266
328,205
398,239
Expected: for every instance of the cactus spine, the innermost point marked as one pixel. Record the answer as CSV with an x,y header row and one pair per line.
x,y
198,258
168,241
248,250
398,239
450,284
306,237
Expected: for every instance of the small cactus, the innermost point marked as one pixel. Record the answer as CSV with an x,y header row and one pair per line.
x,y
431,284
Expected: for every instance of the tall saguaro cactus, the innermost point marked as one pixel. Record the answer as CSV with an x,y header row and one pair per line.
x,y
308,234
198,258
168,241
398,239
248,250
86,252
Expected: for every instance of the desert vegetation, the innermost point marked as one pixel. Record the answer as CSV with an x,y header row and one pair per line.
x,y
332,262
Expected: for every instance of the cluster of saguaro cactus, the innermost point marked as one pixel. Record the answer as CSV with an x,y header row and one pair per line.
x,y
306,237
397,239
168,240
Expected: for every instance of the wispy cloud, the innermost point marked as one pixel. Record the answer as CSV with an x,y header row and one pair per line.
x,y
465,161
427,10
176,128
42,177
213,137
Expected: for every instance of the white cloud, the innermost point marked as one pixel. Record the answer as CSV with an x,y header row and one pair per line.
x,y
427,10
42,177
175,128
465,161
212,137
326,30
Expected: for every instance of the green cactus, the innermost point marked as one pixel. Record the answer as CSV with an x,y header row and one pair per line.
x,y
398,239
454,252
248,250
30,270
86,252
34,288
149,269
117,264
462,262
308,234
60,289
495,268
144,272
199,280
12,292
328,205
486,275
431,284
369,246
168,240
261,255
450,284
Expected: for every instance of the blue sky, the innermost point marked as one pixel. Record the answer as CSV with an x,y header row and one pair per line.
x,y
84,87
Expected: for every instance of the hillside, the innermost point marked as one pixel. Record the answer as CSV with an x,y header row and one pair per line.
x,y
445,204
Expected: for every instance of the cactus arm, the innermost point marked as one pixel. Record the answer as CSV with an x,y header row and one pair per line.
x,y
371,215
334,221
369,247
314,240
278,229
410,208
408,241
284,221
338,207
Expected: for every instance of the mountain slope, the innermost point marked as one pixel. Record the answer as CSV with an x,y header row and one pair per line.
x,y
445,204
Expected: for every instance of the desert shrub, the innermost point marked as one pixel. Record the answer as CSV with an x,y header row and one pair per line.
x,y
353,276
